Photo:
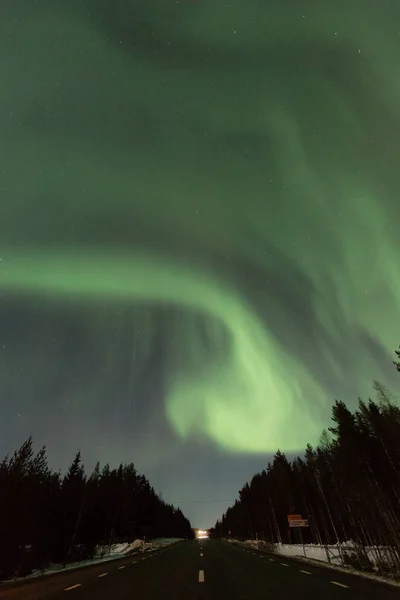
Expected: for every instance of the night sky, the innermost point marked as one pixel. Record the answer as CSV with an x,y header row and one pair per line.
x,y
199,230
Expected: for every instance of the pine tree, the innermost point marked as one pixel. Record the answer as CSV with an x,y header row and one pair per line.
x,y
45,517
72,501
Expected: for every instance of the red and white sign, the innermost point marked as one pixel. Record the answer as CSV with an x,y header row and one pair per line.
x,y
299,523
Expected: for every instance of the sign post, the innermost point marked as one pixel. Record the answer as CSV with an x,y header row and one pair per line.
x,y
298,521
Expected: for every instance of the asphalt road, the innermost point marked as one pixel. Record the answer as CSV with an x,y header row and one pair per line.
x,y
201,570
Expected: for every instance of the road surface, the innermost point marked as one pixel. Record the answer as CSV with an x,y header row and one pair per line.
x,y
201,570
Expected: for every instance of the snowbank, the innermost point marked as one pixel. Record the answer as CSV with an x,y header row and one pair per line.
x,y
117,550
313,551
332,555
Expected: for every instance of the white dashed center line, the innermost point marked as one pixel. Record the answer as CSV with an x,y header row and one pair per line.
x,y
102,575
134,562
284,565
201,554
340,584
201,576
122,567
271,560
305,572
72,587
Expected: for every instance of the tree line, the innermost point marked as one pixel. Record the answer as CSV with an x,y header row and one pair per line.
x,y
49,518
348,486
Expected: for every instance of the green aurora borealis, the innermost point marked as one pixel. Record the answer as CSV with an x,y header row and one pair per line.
x,y
242,400
220,177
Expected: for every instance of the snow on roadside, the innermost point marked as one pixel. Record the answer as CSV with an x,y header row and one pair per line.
x,y
351,571
317,554
309,551
117,549
333,554
102,554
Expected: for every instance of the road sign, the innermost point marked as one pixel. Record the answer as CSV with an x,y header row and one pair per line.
x,y
298,523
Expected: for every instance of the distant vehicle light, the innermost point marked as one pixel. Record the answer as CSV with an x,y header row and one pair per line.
x,y
202,534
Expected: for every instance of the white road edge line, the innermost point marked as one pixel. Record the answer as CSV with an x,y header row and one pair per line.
x,y
122,567
340,584
72,587
201,576
102,575
306,572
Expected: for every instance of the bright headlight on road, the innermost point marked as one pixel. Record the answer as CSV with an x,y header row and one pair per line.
x,y
202,534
